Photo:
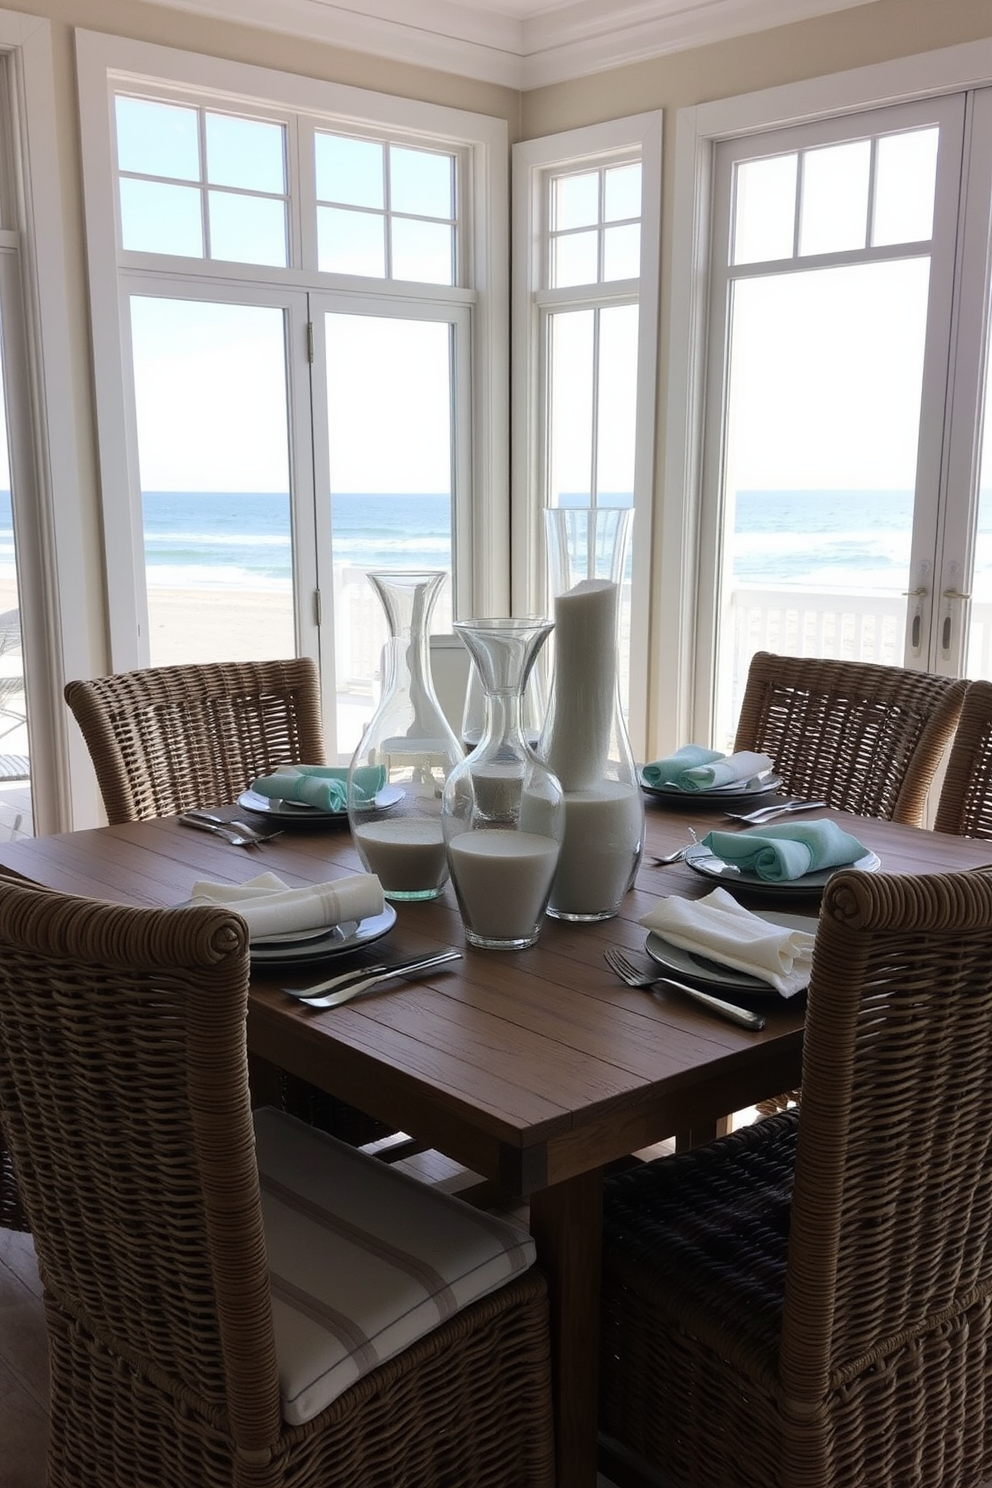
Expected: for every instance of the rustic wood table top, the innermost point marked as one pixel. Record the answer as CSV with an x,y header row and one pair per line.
x,y
534,1068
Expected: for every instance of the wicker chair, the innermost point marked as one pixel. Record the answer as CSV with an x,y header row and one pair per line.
x,y
169,739
965,805
164,1243
808,1301
863,738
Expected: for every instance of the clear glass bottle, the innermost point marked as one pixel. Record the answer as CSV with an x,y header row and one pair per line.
x,y
584,738
407,751
503,812
532,708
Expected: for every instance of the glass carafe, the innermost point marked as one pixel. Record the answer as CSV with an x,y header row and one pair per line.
x,y
503,812
407,751
584,738
532,708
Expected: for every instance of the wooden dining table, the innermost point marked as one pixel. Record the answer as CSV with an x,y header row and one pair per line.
x,y
536,1069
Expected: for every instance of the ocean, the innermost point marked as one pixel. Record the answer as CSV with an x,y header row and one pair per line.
x,y
820,539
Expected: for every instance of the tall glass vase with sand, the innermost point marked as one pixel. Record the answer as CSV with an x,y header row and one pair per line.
x,y
584,738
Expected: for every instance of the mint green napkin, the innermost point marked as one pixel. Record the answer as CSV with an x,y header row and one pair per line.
x,y
670,771
781,853
322,786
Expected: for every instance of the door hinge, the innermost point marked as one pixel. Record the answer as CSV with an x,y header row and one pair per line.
x,y
310,341
316,607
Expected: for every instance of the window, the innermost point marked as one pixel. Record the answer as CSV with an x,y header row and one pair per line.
x,y
304,283
588,205
825,492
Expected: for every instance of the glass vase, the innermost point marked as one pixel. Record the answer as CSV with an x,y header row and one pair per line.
x,y
532,709
503,811
408,750
584,739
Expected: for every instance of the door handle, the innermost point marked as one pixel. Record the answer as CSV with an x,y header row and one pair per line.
x,y
915,628
945,629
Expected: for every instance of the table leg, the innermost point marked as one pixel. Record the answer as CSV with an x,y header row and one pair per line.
x,y
566,1221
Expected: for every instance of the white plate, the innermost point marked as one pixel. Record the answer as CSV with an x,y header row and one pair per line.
x,y
699,857
705,973
284,811
740,790
333,941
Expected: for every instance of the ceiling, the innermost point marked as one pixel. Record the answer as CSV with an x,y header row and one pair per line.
x,y
520,44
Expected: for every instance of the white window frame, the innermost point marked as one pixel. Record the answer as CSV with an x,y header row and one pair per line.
x,y
103,63
41,421
534,162
683,701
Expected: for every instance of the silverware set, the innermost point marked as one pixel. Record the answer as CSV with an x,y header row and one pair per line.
x,y
750,818
238,833
361,980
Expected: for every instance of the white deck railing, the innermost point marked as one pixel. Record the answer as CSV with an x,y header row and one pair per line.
x,y
852,627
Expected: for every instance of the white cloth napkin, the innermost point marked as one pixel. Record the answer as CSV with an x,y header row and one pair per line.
x,y
724,931
741,766
271,907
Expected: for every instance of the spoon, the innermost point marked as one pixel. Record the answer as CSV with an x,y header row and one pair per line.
x,y
676,857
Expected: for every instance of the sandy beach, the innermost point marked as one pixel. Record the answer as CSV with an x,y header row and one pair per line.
x,y
219,625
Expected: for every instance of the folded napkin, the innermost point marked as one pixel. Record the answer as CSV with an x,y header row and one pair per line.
x,y
271,907
724,931
787,851
736,767
669,771
693,768
323,786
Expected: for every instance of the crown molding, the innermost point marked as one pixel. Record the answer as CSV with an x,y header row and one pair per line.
x,y
586,38
569,41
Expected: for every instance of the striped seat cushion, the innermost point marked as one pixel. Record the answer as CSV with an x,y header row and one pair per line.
x,y
363,1260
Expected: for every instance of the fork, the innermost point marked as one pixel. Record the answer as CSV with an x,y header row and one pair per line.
x,y
628,972
768,813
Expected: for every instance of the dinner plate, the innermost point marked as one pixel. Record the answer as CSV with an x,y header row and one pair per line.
x,y
334,940
699,857
739,790
701,971
299,811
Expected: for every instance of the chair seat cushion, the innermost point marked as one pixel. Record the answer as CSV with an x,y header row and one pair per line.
x,y
363,1260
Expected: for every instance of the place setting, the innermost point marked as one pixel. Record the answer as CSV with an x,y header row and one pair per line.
x,y
708,948
710,779
290,927
315,795
780,858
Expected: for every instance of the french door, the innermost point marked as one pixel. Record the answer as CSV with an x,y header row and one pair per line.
x,y
286,444
846,505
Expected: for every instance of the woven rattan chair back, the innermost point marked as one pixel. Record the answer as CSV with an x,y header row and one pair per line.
x,y
892,1206
965,805
808,1301
124,1094
168,739
862,737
